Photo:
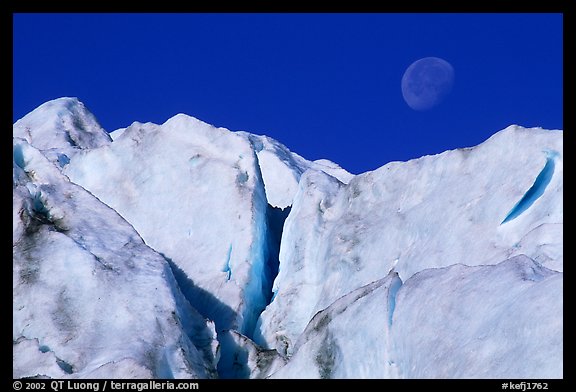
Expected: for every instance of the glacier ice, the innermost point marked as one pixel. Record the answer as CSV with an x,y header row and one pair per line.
x,y
171,182
440,329
88,292
411,216
60,128
330,345
505,321
281,169
182,250
536,190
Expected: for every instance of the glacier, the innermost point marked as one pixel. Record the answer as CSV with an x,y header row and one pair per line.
x,y
76,266
184,250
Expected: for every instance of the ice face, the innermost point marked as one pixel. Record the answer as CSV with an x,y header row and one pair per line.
x,y
64,125
88,293
330,345
426,213
193,192
281,169
228,255
201,195
477,322
434,326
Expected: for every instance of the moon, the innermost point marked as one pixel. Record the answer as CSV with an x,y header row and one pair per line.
x,y
426,82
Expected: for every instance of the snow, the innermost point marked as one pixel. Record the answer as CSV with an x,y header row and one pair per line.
x,y
182,250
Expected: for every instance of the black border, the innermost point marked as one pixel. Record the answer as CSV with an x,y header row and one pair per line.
x,y
265,6
565,7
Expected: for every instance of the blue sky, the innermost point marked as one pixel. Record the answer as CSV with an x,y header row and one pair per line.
x,y
325,85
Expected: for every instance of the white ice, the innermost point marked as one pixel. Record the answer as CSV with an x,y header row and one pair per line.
x,y
88,292
162,251
430,212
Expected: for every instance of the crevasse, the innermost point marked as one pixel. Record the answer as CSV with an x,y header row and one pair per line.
x,y
536,190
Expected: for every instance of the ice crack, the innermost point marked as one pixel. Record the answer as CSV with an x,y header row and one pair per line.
x,y
536,190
